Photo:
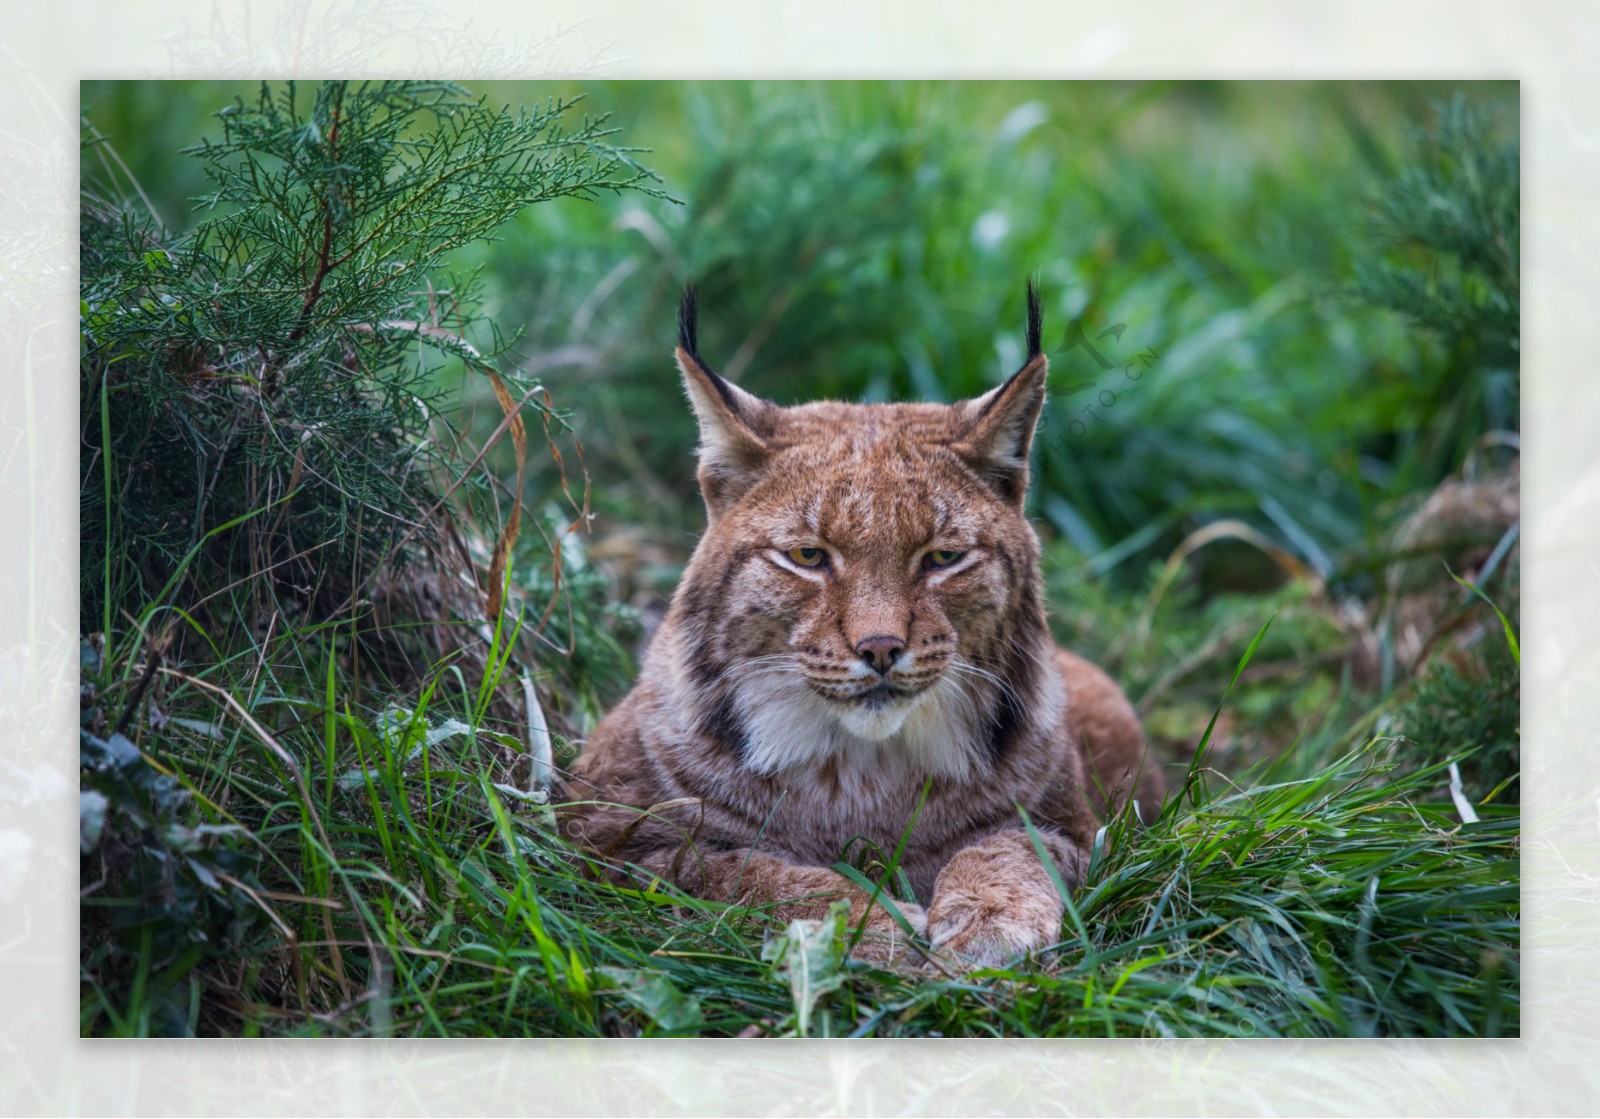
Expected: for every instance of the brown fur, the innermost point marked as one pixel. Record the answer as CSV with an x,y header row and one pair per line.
x,y
749,720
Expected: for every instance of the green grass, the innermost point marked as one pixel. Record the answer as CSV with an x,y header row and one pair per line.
x,y
401,883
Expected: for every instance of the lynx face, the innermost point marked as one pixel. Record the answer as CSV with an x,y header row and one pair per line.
x,y
867,579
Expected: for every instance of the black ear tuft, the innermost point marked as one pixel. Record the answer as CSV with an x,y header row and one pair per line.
x,y
1035,321
733,424
686,322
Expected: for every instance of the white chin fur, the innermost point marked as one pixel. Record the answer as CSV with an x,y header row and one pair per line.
x,y
789,726
877,721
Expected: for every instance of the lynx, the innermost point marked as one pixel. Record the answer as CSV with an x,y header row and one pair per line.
x,y
863,619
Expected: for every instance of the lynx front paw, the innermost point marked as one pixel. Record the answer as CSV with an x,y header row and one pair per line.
x,y
993,927
995,901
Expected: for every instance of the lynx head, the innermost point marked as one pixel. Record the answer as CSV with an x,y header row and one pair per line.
x,y
867,585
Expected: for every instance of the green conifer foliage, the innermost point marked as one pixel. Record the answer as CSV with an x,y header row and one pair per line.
x,y
1447,229
262,394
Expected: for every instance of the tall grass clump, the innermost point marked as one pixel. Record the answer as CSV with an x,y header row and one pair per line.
x,y
405,891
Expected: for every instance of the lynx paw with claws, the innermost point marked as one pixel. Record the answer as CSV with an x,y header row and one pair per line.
x,y
990,927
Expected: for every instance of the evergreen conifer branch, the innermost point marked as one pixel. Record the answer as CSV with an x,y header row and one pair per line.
x,y
261,354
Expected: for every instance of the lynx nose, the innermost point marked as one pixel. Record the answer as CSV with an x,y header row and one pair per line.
x,y
880,652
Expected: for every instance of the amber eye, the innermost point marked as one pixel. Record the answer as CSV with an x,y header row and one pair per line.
x,y
941,557
808,557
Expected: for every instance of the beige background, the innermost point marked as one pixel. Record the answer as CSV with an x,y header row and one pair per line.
x,y
47,47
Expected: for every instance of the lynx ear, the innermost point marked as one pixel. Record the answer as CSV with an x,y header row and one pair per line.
x,y
734,425
1001,422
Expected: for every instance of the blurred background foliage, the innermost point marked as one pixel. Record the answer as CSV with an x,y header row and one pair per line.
x,y
1277,245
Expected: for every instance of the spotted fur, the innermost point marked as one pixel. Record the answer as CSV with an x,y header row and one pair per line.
x,y
785,711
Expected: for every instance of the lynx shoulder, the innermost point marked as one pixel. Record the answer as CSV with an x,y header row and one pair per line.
x,y
862,617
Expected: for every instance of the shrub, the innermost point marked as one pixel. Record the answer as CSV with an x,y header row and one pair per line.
x,y
263,394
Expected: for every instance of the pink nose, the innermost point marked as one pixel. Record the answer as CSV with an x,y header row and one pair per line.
x,y
880,652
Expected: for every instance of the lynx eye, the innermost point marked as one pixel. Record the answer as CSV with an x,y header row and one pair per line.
x,y
808,557
941,557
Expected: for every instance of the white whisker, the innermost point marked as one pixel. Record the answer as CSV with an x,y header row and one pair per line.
x,y
967,667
